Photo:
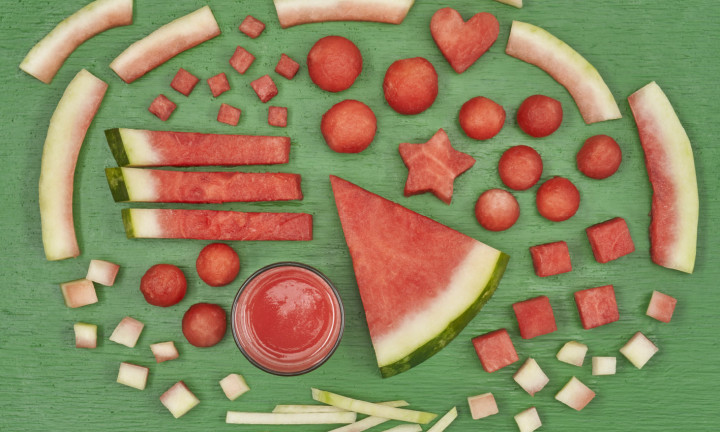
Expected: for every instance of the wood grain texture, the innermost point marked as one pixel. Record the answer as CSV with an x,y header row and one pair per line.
x,y
47,384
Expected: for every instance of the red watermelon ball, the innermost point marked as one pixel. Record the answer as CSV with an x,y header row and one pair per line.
x,y
349,126
481,118
520,167
218,264
204,324
539,115
557,199
163,285
410,85
599,157
334,63
497,210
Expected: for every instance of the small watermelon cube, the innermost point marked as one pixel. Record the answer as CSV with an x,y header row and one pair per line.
x,y
610,240
265,88
218,84
535,317
277,116
575,394
551,258
162,107
241,60
528,420
495,350
252,26
597,306
661,307
78,293
184,82
228,114
639,350
482,406
287,67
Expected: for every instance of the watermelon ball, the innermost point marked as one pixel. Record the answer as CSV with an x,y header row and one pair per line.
x,y
520,167
481,118
163,285
334,63
497,210
204,324
218,264
557,199
599,157
539,116
349,126
410,85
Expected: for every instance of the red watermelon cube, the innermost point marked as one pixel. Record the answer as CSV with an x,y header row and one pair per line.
x,y
287,67
218,84
535,317
551,258
597,306
495,350
241,60
277,116
184,82
661,307
265,88
610,240
252,26
162,107
228,114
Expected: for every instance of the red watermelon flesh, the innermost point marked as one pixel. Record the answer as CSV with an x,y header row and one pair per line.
x,y
550,259
420,281
597,306
535,317
184,82
610,240
495,350
162,107
463,42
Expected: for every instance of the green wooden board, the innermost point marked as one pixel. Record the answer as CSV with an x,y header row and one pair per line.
x,y
47,384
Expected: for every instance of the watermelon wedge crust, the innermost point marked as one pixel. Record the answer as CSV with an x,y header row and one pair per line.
x,y
165,43
66,133
420,282
151,185
671,170
145,148
47,56
536,46
296,12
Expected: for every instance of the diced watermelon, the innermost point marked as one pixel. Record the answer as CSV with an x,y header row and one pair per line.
x,y
229,114
661,307
482,405
264,88
102,272
178,399
420,281
287,67
463,42
150,185
671,169
85,335
597,306
184,82
535,317
218,84
295,12
78,293
277,116
575,394
127,332
216,225
137,147
162,107
550,259
639,350
495,350
252,26
610,240
241,60
517,3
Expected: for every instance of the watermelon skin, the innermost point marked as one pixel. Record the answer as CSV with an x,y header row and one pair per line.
x,y
671,170
388,243
144,148
295,12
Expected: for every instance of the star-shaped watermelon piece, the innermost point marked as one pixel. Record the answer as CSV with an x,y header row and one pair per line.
x,y
433,166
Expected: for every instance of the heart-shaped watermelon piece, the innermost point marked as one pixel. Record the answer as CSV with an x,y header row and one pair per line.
x,y
463,42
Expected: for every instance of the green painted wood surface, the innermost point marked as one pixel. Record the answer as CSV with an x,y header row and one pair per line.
x,y
47,384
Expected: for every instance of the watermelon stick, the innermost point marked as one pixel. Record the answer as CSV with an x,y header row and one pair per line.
x,y
237,417
444,421
372,409
368,422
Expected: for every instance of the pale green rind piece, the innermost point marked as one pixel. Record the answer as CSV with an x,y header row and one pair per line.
x,y
47,56
296,409
517,3
66,133
372,409
537,46
131,147
131,184
295,12
236,417
444,421
369,422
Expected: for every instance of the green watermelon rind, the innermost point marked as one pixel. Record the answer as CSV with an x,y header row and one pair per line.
x,y
128,223
118,187
438,342
117,146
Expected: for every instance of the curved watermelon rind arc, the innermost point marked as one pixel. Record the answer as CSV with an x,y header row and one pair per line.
x,y
296,12
434,345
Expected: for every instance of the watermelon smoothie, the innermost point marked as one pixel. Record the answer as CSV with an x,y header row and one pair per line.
x,y
287,318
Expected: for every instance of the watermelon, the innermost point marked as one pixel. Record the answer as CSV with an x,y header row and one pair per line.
x,y
162,107
241,60
66,132
264,88
47,56
610,240
165,43
184,82
218,84
540,48
550,259
252,26
661,307
216,225
597,306
516,3
277,116
421,282
295,12
671,169
495,350
463,42
535,317
287,67
136,147
150,185
229,114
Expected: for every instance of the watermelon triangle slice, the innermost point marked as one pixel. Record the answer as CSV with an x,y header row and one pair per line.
x,y
421,282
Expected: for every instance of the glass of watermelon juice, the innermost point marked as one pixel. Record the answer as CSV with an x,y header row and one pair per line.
x,y
287,318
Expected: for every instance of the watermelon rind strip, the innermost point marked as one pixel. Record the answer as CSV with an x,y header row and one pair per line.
x,y
432,346
116,181
128,223
117,147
